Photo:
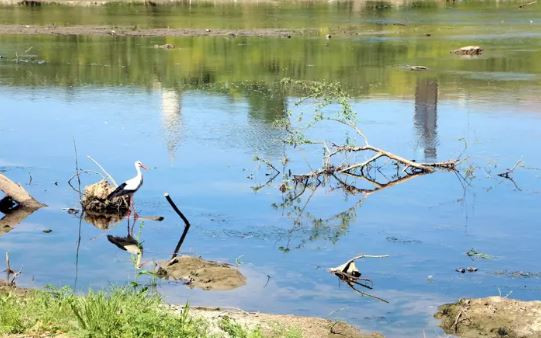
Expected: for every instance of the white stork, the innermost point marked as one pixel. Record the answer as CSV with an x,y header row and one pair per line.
x,y
131,186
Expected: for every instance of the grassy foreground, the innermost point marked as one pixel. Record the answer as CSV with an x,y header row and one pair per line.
x,y
120,313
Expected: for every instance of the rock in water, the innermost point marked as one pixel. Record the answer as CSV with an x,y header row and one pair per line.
x,y
469,50
200,273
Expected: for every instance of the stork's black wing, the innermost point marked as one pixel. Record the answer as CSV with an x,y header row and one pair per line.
x,y
119,191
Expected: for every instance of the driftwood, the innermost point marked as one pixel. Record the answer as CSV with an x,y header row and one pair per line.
x,y
17,205
349,274
18,193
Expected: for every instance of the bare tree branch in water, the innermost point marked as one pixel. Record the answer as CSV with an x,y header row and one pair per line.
x,y
352,165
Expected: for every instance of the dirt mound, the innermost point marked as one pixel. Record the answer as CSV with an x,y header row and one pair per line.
x,y
199,273
95,200
491,317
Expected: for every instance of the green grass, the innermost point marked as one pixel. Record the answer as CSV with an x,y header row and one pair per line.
x,y
233,329
119,313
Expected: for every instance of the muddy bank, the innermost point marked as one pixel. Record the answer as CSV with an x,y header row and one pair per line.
x,y
491,317
276,325
270,325
135,31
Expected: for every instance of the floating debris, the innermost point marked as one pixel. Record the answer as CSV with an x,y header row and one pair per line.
x,y
476,254
468,269
394,239
72,211
350,274
518,274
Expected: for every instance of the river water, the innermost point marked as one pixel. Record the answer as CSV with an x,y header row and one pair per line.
x,y
199,113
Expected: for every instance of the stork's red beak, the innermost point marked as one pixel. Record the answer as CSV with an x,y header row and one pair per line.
x,y
144,166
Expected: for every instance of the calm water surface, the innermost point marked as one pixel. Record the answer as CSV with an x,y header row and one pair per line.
x,y
199,113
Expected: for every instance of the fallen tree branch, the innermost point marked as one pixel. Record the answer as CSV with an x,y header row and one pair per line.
x,y
18,193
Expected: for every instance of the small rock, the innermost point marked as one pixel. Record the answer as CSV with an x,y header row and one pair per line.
x,y
418,68
468,50
72,211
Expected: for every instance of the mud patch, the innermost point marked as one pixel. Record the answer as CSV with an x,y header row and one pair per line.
x,y
199,273
491,317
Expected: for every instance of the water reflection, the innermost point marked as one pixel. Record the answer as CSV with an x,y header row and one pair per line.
x,y
171,119
426,116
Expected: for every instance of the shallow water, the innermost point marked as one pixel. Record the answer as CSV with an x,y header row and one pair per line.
x,y
199,113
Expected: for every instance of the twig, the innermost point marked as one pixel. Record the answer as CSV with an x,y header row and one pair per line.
x,y
184,219
103,170
77,169
457,320
508,172
10,272
268,163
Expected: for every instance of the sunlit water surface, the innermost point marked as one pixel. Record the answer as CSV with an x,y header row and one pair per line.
x,y
198,114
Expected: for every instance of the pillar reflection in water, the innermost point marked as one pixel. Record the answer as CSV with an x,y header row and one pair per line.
x,y
426,116
171,119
